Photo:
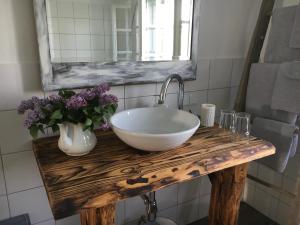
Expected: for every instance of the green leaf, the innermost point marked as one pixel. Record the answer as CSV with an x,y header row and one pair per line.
x,y
97,109
34,131
51,123
85,111
54,128
56,115
41,128
88,122
97,120
111,109
66,93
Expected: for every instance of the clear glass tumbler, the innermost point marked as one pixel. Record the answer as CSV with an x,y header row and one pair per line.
x,y
227,120
242,123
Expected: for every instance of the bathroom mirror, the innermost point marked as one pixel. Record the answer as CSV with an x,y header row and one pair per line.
x,y
86,42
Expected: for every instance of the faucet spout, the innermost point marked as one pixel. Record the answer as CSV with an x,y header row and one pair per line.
x,y
164,88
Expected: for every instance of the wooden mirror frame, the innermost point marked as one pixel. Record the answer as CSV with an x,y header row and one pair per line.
x,y
114,73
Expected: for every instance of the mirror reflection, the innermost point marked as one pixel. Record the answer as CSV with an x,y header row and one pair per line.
x,y
119,30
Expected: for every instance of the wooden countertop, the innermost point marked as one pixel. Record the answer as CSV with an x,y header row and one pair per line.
x,y
114,171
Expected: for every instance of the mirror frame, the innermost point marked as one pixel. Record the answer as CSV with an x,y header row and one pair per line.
x,y
114,73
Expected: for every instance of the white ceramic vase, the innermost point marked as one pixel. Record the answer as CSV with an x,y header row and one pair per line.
x,y
74,141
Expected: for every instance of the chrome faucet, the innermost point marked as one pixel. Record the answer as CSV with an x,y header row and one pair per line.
x,y
164,88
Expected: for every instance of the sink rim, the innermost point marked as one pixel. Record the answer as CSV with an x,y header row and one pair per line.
x,y
159,134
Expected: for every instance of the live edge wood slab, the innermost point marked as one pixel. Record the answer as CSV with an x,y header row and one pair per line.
x,y
92,184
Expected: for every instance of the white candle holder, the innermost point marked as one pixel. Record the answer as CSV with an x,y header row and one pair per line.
x,y
207,114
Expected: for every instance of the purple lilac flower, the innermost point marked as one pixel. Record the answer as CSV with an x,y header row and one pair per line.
x,y
55,99
32,117
88,94
76,102
101,89
33,103
25,105
105,126
41,102
49,107
108,99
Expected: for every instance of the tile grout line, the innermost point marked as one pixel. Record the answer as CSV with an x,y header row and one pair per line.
x,y
28,189
10,153
231,72
8,205
209,70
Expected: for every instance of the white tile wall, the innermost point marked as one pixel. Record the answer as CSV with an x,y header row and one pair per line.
x,y
134,209
65,9
81,10
139,102
204,205
219,97
283,213
76,23
188,191
120,213
82,26
202,78
277,206
188,212
205,186
170,213
196,99
19,73
237,71
220,73
165,197
139,90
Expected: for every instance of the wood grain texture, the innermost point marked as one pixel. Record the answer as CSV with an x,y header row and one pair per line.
x,y
254,51
98,216
227,188
114,171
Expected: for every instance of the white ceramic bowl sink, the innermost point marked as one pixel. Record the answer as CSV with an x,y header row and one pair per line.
x,y
154,129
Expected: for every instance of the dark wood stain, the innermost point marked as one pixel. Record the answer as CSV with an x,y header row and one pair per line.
x,y
114,171
137,180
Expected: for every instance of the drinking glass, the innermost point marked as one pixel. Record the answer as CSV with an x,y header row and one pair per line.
x,y
242,121
227,119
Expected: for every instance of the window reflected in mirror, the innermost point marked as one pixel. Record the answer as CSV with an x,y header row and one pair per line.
x,y
119,30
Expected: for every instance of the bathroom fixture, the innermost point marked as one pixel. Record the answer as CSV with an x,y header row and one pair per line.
x,y
154,128
151,207
151,211
164,88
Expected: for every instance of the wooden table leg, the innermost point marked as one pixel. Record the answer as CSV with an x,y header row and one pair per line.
x,y
227,188
101,216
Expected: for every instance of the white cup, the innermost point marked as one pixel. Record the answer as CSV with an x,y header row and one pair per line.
x,y
207,114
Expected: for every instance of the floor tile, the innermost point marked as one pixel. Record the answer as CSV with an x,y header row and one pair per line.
x,y
21,171
34,202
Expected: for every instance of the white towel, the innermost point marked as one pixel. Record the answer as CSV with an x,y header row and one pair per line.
x,y
259,93
286,92
278,48
282,135
295,36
